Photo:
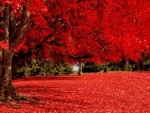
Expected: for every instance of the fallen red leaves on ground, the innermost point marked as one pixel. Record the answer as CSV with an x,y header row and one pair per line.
x,y
116,92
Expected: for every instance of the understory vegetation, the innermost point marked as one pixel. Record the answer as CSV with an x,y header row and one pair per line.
x,y
49,68
43,68
142,65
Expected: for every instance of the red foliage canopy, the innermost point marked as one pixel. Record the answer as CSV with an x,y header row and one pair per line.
x,y
77,30
86,30
128,23
36,9
99,30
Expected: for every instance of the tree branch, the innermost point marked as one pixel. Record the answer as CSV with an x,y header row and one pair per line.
x,y
81,57
22,30
12,25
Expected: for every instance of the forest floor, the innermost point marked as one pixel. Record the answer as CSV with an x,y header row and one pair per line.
x,y
119,92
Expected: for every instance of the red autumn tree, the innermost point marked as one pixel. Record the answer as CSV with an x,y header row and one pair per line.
x,y
78,30
128,23
117,30
16,18
98,30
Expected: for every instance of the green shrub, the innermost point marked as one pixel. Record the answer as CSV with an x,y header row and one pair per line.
x,y
92,67
46,67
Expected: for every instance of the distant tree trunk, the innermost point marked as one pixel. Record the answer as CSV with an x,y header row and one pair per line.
x,y
140,65
80,67
105,69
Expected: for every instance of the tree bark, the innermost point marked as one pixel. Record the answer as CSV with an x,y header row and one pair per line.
x,y
140,65
7,90
80,67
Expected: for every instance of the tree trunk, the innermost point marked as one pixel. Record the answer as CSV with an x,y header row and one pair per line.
x,y
12,39
7,90
140,65
80,67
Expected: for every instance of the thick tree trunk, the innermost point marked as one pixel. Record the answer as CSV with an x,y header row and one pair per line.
x,y
7,90
80,67
12,39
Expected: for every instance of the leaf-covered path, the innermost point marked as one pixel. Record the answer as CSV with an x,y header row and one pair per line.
x,y
120,92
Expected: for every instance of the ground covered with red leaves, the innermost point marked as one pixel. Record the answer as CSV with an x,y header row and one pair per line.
x,y
114,92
